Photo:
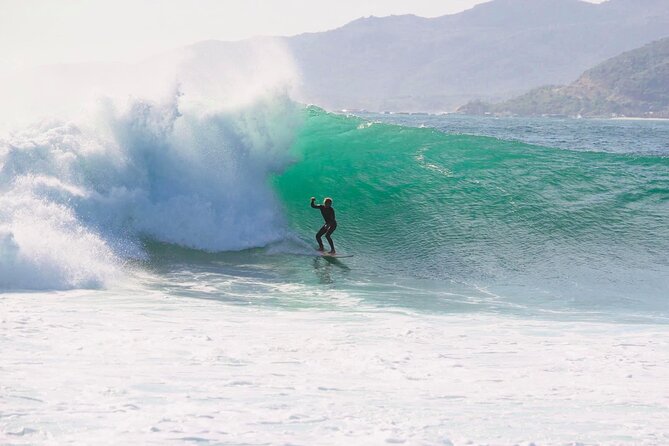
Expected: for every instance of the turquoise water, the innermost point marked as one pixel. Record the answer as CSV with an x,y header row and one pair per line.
x,y
541,226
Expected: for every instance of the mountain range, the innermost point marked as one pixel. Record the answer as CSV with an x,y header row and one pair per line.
x,y
492,52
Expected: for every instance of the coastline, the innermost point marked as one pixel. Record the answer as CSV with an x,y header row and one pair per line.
x,y
631,118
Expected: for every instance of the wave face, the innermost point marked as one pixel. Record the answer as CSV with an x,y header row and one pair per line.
x,y
484,211
78,198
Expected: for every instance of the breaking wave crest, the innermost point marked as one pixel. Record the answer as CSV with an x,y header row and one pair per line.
x,y
78,197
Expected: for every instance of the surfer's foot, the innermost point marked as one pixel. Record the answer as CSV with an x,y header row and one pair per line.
x,y
332,252
320,249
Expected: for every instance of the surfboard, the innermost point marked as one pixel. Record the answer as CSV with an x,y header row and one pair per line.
x,y
336,256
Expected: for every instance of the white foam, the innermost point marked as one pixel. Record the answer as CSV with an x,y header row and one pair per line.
x,y
134,368
43,246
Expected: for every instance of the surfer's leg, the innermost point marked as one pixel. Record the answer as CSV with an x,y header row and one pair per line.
x,y
320,233
331,229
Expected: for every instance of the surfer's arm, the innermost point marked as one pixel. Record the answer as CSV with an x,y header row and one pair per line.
x,y
314,205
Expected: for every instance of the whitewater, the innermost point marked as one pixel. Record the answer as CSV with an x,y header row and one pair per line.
x,y
158,280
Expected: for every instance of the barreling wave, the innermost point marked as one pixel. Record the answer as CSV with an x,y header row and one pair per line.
x,y
422,203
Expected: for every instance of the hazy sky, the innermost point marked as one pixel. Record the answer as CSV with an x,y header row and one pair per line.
x,y
54,31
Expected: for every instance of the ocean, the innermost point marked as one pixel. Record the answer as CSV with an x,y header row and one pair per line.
x,y
159,285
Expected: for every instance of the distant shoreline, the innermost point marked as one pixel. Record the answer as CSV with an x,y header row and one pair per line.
x,y
638,119
495,116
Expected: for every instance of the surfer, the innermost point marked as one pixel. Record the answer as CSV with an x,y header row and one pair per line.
x,y
330,225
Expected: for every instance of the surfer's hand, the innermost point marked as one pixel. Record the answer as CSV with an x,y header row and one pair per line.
x,y
313,198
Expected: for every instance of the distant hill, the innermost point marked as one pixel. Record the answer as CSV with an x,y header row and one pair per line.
x,y
635,83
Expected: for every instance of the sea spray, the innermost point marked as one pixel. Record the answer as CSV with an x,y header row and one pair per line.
x,y
176,149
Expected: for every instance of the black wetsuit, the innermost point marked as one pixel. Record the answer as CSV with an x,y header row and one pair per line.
x,y
329,227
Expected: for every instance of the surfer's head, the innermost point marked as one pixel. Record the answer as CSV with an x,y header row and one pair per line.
x,y
328,202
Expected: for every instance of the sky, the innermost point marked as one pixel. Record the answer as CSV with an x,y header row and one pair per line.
x,y
35,32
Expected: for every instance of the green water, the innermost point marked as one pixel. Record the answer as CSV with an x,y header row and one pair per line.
x,y
587,226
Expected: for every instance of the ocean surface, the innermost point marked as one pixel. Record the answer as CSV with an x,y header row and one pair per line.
x,y
158,281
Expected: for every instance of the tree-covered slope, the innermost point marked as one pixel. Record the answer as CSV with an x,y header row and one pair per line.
x,y
635,83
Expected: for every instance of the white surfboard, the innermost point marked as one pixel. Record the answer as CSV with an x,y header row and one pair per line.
x,y
336,256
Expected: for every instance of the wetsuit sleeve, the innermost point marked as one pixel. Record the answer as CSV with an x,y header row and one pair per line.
x,y
315,206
